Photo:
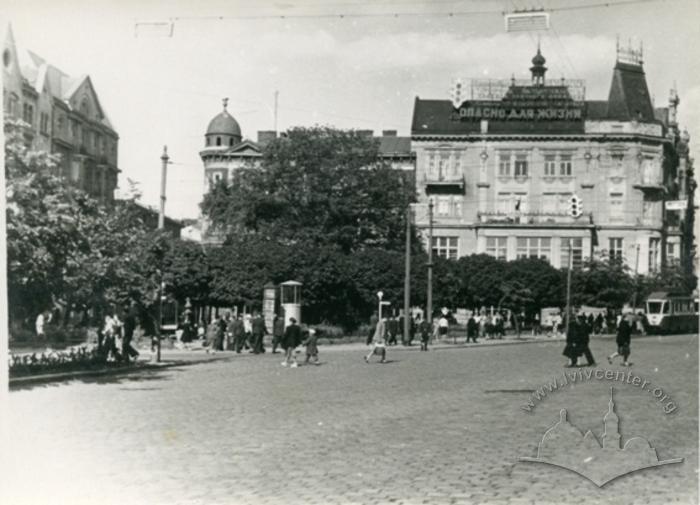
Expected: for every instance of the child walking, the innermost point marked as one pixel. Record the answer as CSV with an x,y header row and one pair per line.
x,y
379,341
311,346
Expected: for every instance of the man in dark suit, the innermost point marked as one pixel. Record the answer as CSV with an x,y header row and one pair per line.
x,y
131,315
292,338
238,333
277,332
584,337
259,331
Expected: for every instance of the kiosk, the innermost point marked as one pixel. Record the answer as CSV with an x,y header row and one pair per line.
x,y
290,299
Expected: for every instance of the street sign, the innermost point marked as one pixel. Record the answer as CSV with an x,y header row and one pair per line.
x,y
527,21
677,205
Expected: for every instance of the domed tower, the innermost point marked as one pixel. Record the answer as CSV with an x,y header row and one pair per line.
x,y
223,131
611,437
538,69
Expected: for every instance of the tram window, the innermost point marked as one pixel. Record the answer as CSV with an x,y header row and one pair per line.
x,y
654,307
696,307
665,310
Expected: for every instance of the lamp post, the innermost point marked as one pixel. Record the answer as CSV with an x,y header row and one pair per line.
x,y
429,304
407,279
380,294
161,225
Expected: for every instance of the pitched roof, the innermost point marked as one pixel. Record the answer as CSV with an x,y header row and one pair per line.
x,y
629,96
390,145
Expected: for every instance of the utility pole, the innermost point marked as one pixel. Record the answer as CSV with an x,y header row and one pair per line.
x,y
429,309
568,291
161,225
407,279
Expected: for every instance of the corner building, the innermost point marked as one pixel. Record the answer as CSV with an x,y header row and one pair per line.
x,y
502,160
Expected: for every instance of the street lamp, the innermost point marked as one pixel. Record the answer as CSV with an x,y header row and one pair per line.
x,y
380,294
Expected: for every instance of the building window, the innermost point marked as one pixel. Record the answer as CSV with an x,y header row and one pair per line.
x,y
504,165
654,254
520,203
563,203
549,203
648,208
28,113
565,165
504,203
60,123
208,141
96,141
672,256
431,166
456,166
616,249
520,166
230,141
550,165
218,141
44,123
534,247
446,247
443,206
497,247
616,206
86,137
576,252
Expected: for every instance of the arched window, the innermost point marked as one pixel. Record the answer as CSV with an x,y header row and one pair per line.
x,y
218,141
230,141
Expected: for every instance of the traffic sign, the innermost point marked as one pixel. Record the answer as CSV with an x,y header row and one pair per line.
x,y
677,205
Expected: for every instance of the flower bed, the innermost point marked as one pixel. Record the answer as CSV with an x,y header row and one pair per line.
x,y
77,358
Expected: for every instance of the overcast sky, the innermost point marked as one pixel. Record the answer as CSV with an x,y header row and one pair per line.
x,y
352,72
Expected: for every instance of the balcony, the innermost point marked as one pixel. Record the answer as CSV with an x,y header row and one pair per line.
x,y
443,183
534,219
649,183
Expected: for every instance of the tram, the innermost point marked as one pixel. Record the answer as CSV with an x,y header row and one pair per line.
x,y
672,312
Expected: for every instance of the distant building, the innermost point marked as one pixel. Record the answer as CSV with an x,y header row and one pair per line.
x,y
226,151
502,161
64,116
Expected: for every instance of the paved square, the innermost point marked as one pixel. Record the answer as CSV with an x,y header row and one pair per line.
x,y
440,427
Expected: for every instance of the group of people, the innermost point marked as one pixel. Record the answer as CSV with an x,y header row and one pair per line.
x,y
578,338
115,337
247,332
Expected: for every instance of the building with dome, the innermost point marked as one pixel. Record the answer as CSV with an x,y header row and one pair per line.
x,y
226,151
504,161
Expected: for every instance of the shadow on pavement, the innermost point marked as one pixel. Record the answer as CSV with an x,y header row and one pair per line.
x,y
125,376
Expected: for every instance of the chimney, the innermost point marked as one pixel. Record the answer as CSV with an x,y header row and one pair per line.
x,y
265,137
365,133
388,133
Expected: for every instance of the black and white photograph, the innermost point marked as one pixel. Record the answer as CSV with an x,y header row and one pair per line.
x,y
349,252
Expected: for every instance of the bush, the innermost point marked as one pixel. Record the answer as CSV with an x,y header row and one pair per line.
x,y
329,331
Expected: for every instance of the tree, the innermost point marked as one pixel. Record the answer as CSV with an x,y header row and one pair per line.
x,y
318,185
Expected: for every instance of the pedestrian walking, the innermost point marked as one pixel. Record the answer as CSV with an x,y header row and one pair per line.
x,y
584,338
292,338
391,330
277,332
212,336
411,330
230,331
623,339
443,324
130,322
238,333
39,325
378,342
312,346
423,332
372,326
259,331
472,329
571,350
536,326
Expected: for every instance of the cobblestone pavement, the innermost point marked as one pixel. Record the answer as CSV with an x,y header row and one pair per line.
x,y
440,427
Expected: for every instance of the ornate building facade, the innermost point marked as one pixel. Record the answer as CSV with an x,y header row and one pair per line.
x,y
63,115
502,161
